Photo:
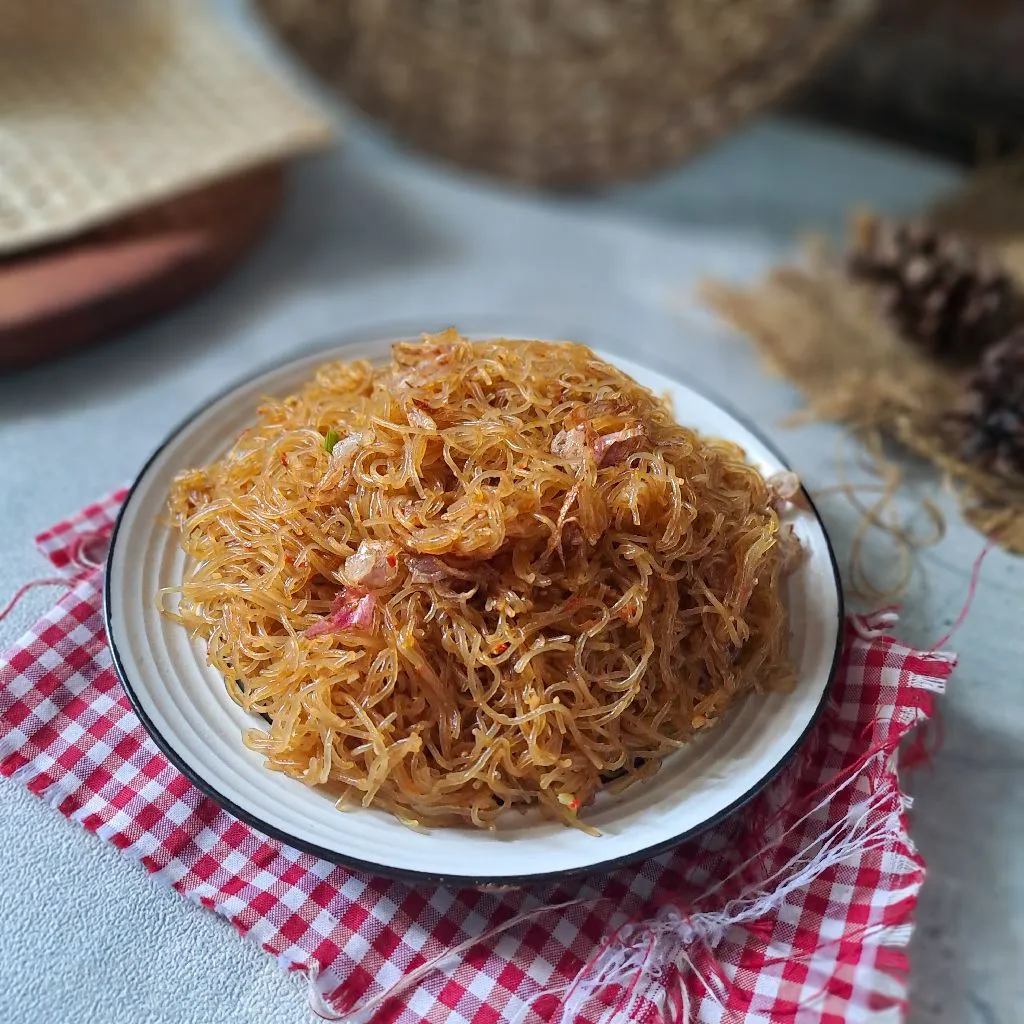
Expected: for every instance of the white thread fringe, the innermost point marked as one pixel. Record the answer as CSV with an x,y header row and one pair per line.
x,y
870,627
362,1013
642,957
641,954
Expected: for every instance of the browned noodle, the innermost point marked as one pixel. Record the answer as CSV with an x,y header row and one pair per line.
x,y
513,578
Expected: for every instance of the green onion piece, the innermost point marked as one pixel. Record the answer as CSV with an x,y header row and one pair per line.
x,y
331,439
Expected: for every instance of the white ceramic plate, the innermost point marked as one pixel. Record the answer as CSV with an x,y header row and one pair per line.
x,y
185,706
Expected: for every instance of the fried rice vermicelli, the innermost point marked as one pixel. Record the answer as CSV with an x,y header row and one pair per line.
x,y
486,575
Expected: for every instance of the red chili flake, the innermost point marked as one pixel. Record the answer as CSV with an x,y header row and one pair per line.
x,y
289,559
392,561
575,805
502,647
284,459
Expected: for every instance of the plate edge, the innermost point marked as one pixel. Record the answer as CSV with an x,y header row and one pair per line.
x,y
411,874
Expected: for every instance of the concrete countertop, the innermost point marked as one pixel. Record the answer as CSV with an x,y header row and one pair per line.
x,y
372,235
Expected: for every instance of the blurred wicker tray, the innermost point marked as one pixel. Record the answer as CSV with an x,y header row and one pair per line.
x,y
942,75
563,92
62,297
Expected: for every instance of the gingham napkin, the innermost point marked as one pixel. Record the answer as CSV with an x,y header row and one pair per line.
x,y
797,909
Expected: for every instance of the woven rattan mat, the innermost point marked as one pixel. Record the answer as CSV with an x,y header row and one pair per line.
x,y
107,106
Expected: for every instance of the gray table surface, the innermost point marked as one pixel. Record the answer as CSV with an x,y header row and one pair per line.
x,y
371,234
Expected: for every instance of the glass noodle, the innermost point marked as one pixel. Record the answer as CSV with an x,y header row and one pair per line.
x,y
487,575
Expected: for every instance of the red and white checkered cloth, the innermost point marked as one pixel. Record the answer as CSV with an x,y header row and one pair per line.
x,y
795,910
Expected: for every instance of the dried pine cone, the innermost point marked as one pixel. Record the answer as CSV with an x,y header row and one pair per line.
x,y
938,290
991,415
